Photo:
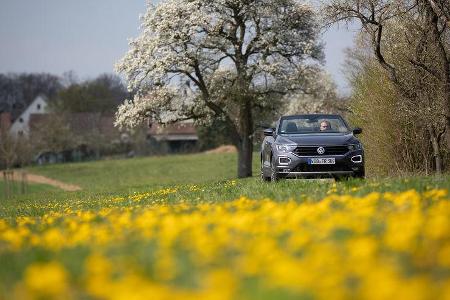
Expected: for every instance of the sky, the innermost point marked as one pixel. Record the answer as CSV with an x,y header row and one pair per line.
x,y
89,36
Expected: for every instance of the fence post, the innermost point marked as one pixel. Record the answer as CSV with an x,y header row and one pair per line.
x,y
5,185
8,178
23,182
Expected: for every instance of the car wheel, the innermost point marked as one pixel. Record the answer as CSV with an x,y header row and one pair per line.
x,y
273,171
361,174
340,178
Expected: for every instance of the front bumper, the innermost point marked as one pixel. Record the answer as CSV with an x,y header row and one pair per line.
x,y
290,165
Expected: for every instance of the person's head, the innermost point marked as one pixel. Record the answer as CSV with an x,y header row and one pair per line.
x,y
325,125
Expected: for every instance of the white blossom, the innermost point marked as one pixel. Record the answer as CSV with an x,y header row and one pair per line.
x,y
213,48
316,99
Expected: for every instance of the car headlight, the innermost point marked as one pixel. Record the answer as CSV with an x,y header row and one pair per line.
x,y
354,147
285,148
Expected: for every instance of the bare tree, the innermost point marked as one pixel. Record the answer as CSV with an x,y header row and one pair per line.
x,y
410,41
53,134
397,130
8,146
431,18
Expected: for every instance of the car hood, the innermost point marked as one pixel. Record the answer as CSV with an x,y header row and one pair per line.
x,y
318,139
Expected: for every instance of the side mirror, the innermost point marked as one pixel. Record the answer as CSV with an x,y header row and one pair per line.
x,y
357,130
268,132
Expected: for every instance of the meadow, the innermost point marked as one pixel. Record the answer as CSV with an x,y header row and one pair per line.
x,y
182,227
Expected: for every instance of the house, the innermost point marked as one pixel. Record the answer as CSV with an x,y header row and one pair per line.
x,y
80,123
178,137
81,136
20,125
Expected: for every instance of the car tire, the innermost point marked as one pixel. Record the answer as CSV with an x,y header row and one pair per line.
x,y
361,174
273,171
340,178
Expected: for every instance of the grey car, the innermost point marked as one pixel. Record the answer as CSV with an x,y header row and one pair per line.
x,y
311,146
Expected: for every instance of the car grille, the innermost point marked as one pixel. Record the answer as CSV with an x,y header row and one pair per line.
x,y
312,150
319,168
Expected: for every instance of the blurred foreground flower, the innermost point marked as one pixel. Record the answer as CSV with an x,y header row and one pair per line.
x,y
46,280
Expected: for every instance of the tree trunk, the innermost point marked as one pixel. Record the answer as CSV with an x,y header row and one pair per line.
x,y
447,109
445,65
245,147
446,81
245,157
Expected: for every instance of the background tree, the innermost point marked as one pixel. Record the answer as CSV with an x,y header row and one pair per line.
x,y
373,106
54,134
102,94
410,41
85,105
321,98
233,58
8,146
17,91
396,134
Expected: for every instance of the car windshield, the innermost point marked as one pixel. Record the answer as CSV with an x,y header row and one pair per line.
x,y
312,124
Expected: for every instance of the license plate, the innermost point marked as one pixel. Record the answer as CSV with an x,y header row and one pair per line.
x,y
321,161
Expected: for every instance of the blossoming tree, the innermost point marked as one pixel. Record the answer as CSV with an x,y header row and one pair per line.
x,y
204,59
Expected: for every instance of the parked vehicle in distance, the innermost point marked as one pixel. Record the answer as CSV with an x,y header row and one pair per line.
x,y
311,146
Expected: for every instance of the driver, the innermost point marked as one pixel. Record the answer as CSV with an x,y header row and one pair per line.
x,y
325,125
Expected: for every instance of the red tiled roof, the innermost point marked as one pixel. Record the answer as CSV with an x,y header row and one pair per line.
x,y
80,123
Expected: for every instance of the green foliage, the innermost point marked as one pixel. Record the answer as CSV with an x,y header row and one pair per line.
x,y
101,95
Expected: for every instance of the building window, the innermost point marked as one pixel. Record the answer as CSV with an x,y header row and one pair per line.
x,y
38,106
21,120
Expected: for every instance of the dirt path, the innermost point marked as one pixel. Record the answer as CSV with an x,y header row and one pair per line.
x,y
223,149
33,178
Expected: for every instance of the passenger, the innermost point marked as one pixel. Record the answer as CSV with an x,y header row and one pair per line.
x,y
325,126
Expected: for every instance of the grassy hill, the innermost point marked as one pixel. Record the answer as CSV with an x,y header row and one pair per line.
x,y
124,176
209,173
146,172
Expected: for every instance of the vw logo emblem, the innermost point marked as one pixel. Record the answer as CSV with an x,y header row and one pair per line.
x,y
321,150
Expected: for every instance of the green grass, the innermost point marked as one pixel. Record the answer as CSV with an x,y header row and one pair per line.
x,y
107,178
127,175
198,177
31,189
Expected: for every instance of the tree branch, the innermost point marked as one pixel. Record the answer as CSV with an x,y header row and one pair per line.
x,y
425,68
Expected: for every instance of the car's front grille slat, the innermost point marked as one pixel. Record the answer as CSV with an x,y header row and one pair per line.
x,y
319,168
312,150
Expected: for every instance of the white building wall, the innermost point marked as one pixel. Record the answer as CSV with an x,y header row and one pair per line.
x,y
21,124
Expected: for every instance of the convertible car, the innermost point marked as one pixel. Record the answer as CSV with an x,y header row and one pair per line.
x,y
311,146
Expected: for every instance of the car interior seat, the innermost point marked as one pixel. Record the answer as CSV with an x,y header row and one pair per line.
x,y
291,127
